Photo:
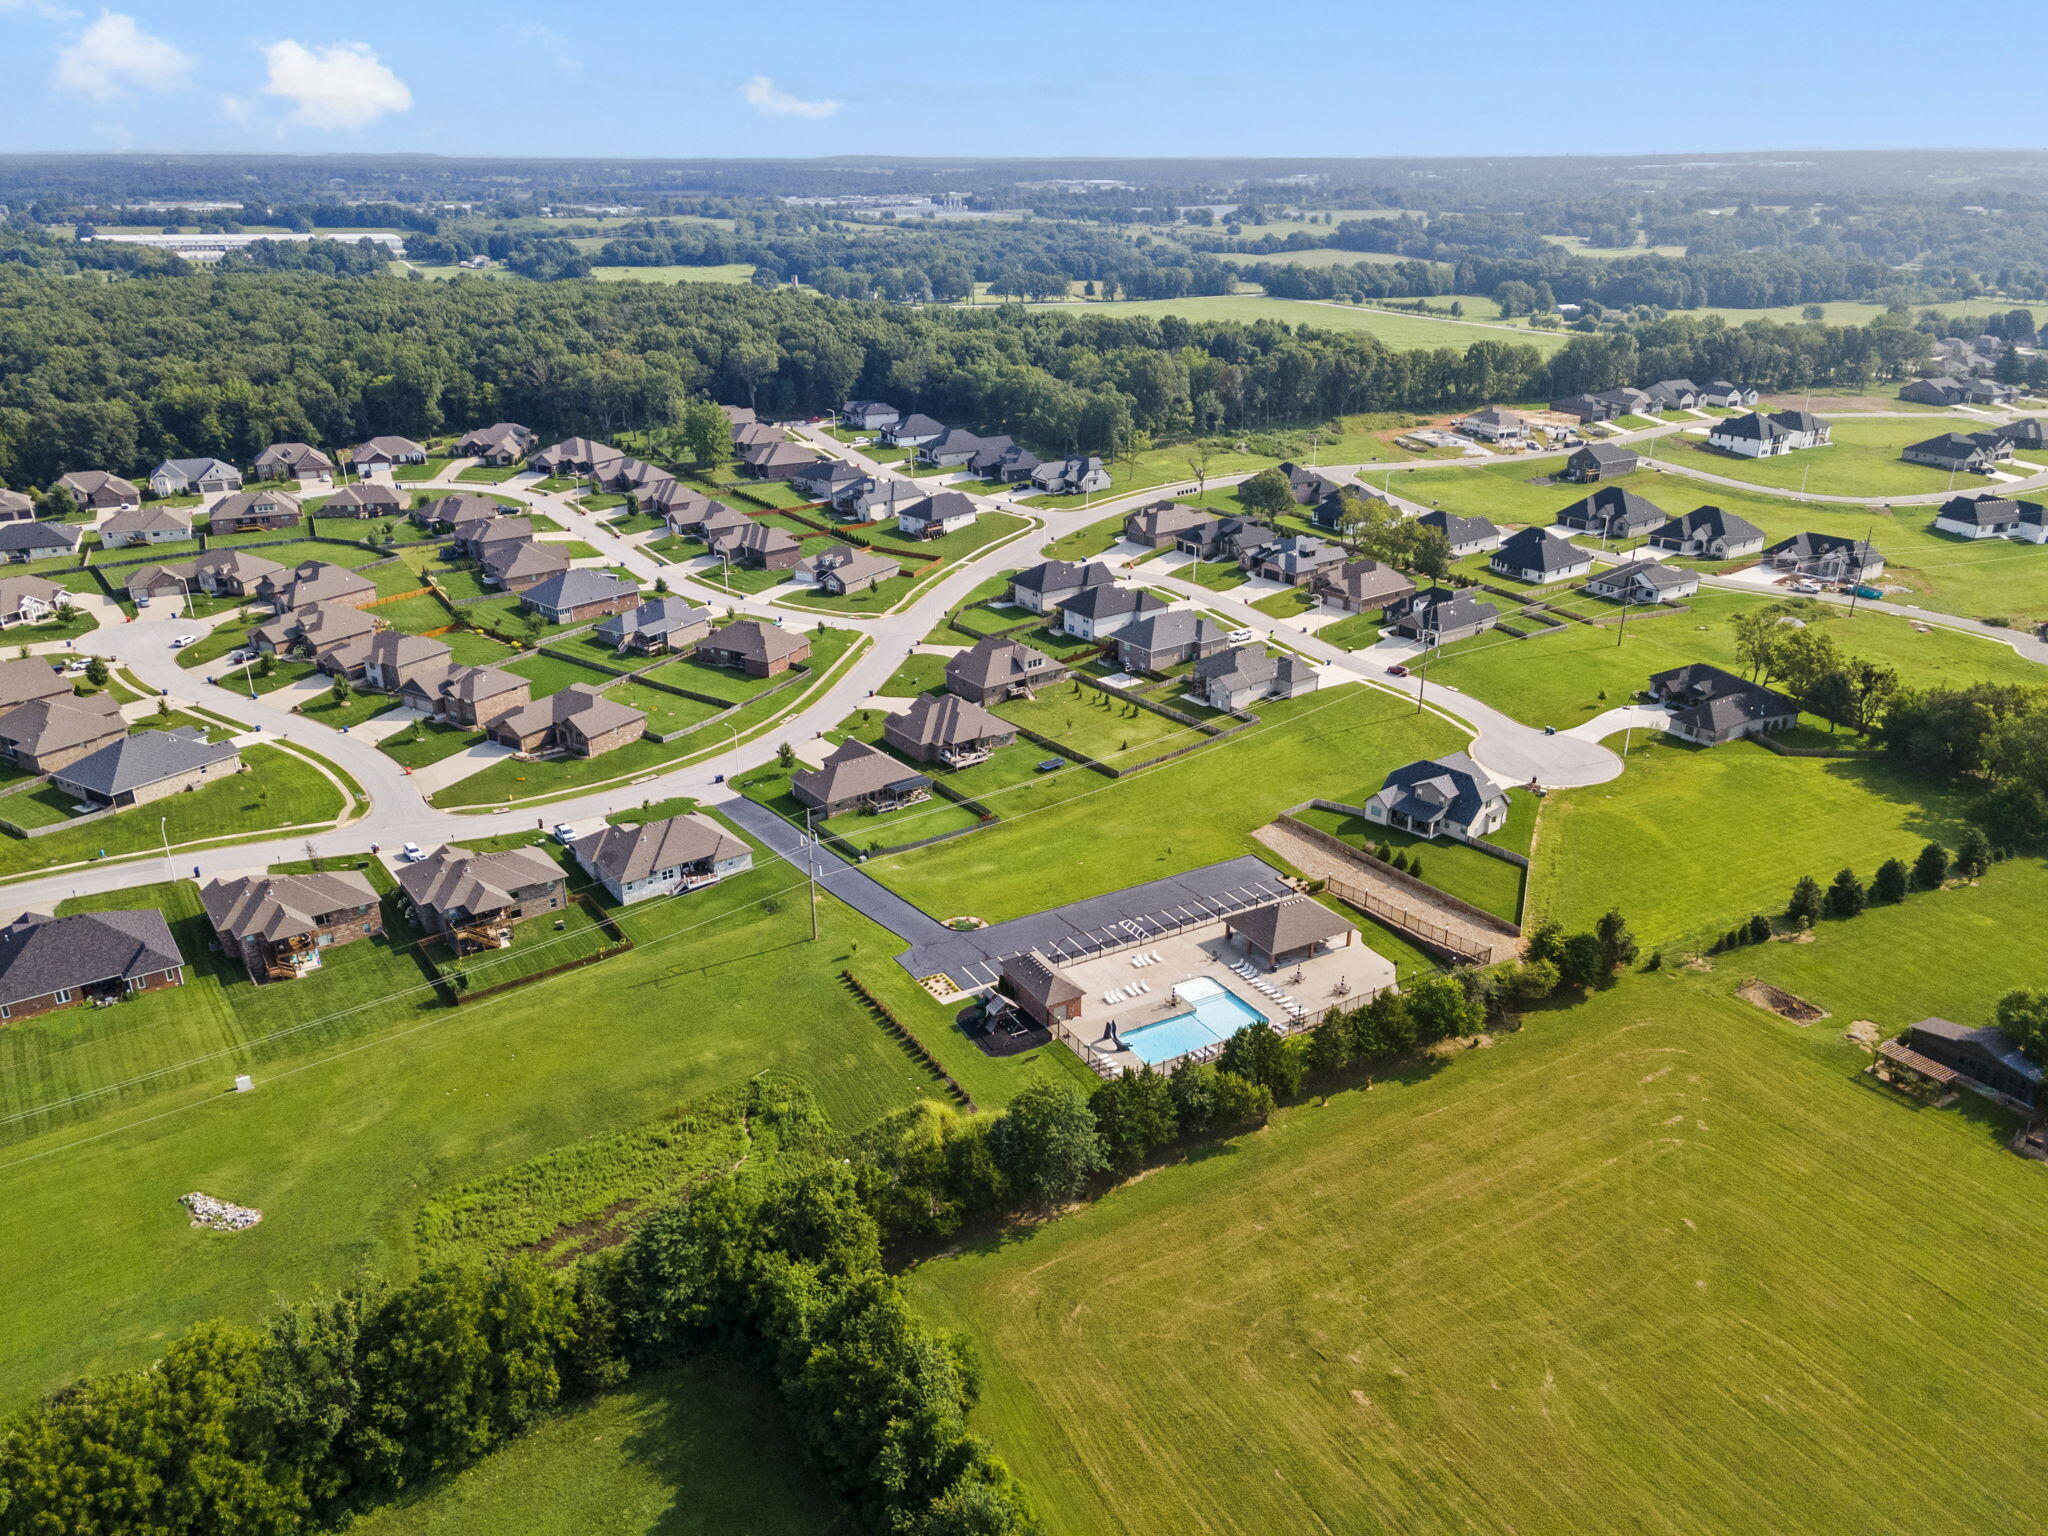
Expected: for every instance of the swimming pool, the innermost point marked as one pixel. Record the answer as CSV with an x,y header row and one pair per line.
x,y
1215,1013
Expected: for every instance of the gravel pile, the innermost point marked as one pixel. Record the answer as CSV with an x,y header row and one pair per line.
x,y
219,1215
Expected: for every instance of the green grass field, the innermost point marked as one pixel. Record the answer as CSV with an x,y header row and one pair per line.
x,y
1690,840
1089,721
918,674
551,674
1861,460
1402,333
1663,1264
1494,885
733,272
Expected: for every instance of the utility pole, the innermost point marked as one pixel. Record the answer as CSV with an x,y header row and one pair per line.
x,y
811,870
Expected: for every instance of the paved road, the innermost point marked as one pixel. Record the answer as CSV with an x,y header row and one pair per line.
x,y
865,895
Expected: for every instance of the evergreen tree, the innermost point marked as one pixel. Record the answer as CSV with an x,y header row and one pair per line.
x,y
1930,869
1845,896
1617,944
1973,854
1891,882
1803,910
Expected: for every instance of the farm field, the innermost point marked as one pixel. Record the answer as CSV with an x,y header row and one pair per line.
x,y
730,272
1617,844
1051,847
1568,675
1862,460
1401,332
1638,1267
703,1450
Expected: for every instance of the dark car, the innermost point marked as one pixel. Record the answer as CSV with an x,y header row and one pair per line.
x,y
1397,671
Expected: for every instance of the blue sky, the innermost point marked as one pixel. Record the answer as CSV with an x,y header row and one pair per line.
x,y
639,77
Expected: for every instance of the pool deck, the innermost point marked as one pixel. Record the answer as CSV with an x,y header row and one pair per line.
x,y
1345,976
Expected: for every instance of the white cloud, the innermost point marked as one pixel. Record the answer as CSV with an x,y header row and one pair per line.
x,y
114,56
546,41
47,9
343,85
771,100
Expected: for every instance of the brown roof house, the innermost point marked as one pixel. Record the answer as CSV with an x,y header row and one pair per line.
x,y
233,572
1235,680
467,696
1041,989
699,517
516,564
576,597
15,507
996,669
858,777
757,546
578,721
861,572
64,962
145,525
451,512
313,630
383,452
1288,932
1161,525
279,926
27,679
149,765
363,499
146,584
250,511
294,461
98,491
471,901
502,443
661,858
316,581
1361,586
387,660
775,461
476,536
755,648
43,735
571,456
945,728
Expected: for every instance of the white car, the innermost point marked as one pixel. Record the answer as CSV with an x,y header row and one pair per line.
x,y
183,640
1240,637
412,853
564,833
1806,586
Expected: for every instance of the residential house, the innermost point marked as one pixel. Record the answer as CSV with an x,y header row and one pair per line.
x,y
517,564
1494,425
1236,679
477,537
945,728
757,546
383,453
737,416
576,596
705,519
1613,513
573,457
1993,517
912,431
43,735
1071,477
145,525
1986,1059
30,600
1757,436
1947,390
1042,992
858,777
233,573
577,721
868,415
820,560
1099,612
389,659
1294,560
1600,461
775,461
194,477
64,962
1727,395
280,926
1225,538
1167,640
1710,706
756,434
23,542
1674,395
294,461
147,584
662,627
253,511
448,513
1539,556
861,571
1330,513
472,901
1449,796
755,648
134,770
661,858
1466,535
1826,557
363,499
955,445
1361,586
826,479
15,507
1161,525
26,678
1970,453
877,501
312,631
316,581
466,696
2030,434
1438,615
502,443
1643,581
1044,586
1627,400
95,490
1001,459
1310,486
1708,533
1586,408
994,669
935,515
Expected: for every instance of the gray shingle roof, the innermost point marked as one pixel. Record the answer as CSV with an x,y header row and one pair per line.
x,y
455,879
147,757
574,588
272,907
1433,788
40,955
625,854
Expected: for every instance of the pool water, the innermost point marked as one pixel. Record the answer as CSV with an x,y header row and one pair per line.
x,y
1216,1013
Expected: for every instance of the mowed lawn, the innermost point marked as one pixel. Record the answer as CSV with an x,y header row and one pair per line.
x,y
1075,834
1691,840
1861,460
1088,721
1662,1264
1402,333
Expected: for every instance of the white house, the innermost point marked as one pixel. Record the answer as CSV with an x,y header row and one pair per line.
x,y
1448,796
1757,436
1993,517
931,516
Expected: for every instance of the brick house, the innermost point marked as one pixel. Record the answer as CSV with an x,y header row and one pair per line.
x,y
146,766
278,926
66,962
472,901
576,597
755,648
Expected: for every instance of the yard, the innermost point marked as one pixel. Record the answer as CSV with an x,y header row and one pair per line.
x,y
866,832
550,674
1861,460
665,711
919,674
1353,632
1718,816
1493,885
428,741
1089,721
1638,1267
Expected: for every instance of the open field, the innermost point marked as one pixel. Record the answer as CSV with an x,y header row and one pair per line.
x,y
731,272
1400,332
703,1450
1055,845
1690,840
1090,722
1861,460
1662,1264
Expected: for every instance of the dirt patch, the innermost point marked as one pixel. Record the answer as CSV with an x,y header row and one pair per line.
x,y
1777,1000
574,1239
1863,1032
